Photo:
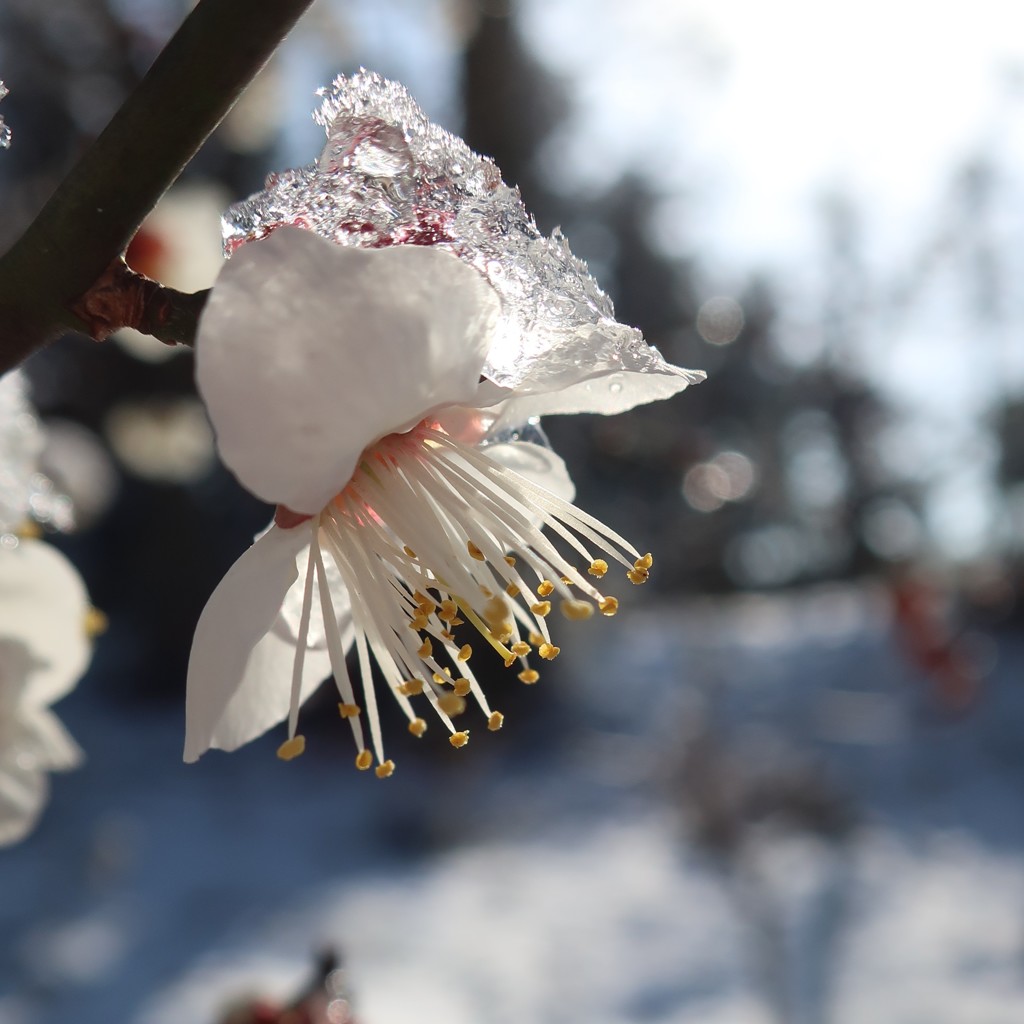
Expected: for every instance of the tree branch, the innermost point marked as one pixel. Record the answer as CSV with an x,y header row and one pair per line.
x,y
82,231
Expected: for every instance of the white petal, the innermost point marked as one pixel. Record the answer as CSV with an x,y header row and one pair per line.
x,y
43,605
538,464
224,670
22,796
261,700
308,352
41,743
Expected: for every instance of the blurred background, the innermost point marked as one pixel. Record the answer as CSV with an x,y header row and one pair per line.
x,y
786,782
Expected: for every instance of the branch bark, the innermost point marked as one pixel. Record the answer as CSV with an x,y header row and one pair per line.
x,y
84,228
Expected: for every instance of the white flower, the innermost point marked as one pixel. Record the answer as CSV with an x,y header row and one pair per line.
x,y
344,386
362,374
44,649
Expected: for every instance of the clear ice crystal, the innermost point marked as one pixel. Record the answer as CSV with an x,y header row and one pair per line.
x,y
5,132
388,176
25,492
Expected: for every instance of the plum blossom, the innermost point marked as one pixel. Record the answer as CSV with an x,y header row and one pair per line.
x,y
44,649
45,619
379,386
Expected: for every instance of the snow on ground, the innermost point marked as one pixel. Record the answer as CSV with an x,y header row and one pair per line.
x,y
554,878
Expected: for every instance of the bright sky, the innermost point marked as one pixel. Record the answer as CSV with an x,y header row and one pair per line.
x,y
747,114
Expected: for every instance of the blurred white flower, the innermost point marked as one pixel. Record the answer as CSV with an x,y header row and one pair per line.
x,y
376,376
25,493
44,649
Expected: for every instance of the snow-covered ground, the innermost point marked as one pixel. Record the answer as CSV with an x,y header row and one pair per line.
x,y
556,872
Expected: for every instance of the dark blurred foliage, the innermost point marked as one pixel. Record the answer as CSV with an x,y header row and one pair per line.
x,y
804,437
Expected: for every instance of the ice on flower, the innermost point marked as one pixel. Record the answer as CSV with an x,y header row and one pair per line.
x,y
388,176
5,132
385,313
25,492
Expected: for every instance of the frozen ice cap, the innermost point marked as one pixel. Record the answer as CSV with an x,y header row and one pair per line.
x,y
388,176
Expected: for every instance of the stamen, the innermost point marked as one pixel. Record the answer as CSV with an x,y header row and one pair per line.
x,y
95,623
292,748
577,610
451,704
385,770
420,537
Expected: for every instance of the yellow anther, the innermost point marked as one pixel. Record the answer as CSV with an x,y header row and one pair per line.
x,y
520,649
426,607
503,633
637,576
451,704
577,611
541,608
494,723
29,530
567,581
411,688
598,567
644,563
465,652
446,635
510,560
449,610
495,612
475,552
291,748
457,622
385,770
418,727
549,651
95,623
536,639
545,587
426,649
348,710
420,598
459,739
363,760
409,551
512,590
462,687
529,676
609,605
510,661
418,622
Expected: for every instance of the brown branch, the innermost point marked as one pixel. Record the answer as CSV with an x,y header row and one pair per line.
x,y
51,271
123,298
